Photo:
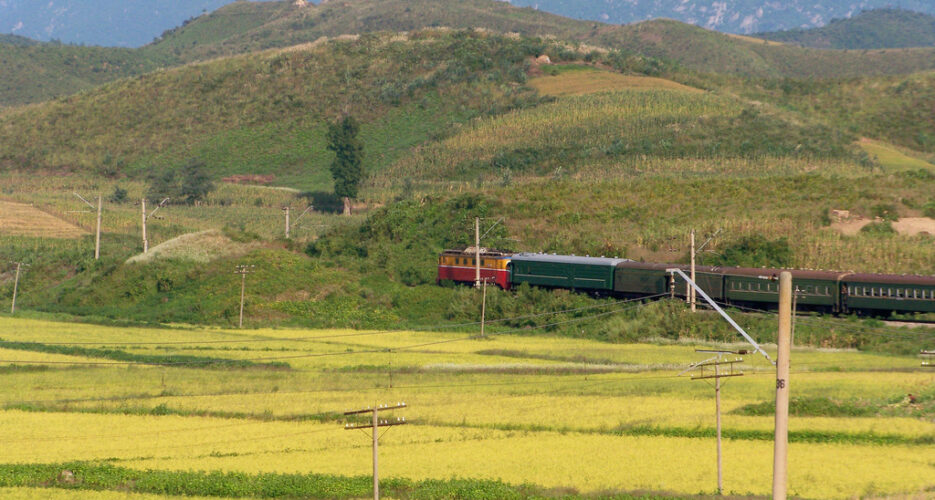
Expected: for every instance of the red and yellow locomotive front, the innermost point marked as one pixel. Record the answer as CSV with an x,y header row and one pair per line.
x,y
460,266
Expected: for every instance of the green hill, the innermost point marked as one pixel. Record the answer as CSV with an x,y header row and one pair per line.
x,y
265,113
243,27
873,29
32,71
16,40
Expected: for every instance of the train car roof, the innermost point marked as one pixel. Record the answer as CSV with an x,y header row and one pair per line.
x,y
891,279
567,259
469,251
773,273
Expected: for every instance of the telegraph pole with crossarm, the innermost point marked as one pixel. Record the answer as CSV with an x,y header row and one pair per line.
x,y
375,423
717,363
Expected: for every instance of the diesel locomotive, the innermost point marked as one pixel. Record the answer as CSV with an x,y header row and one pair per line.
x,y
829,291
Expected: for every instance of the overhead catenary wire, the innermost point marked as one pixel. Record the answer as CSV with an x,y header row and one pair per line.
x,y
864,329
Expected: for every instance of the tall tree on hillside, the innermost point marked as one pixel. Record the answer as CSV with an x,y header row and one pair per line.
x,y
347,167
196,183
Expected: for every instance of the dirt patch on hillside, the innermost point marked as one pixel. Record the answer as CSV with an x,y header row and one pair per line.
x,y
22,219
909,226
204,246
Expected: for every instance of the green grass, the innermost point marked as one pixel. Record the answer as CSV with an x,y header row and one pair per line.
x,y
103,476
264,113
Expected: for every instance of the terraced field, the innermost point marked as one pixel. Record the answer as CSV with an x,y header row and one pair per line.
x,y
21,219
549,406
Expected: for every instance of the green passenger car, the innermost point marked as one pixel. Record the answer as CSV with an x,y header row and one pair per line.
x,y
814,289
874,292
564,271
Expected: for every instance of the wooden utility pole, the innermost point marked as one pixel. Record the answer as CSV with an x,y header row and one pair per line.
x,y
19,266
375,423
717,363
477,252
692,290
243,270
286,209
784,341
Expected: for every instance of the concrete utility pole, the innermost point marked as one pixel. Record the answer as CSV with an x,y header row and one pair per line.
x,y
784,341
19,266
243,270
477,252
692,298
289,224
146,217
717,363
97,239
143,210
375,423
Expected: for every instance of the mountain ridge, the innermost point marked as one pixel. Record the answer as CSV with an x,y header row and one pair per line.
x,y
873,29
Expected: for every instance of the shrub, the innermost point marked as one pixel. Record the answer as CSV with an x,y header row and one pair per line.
x,y
756,251
884,228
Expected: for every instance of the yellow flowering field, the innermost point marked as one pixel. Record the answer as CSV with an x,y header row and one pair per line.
x,y
552,412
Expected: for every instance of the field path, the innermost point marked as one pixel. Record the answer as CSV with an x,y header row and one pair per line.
x,y
21,219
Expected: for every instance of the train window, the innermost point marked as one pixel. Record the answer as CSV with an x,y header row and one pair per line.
x,y
828,291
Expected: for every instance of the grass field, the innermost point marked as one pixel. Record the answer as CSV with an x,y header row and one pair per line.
x,y
549,406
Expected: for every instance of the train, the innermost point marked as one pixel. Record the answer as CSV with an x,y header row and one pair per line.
x,y
836,292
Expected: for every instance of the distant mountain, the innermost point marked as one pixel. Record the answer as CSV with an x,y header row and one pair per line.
x,y
133,23
732,16
874,29
40,71
116,23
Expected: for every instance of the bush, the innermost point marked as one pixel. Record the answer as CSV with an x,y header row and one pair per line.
x,y
884,228
885,211
928,209
756,251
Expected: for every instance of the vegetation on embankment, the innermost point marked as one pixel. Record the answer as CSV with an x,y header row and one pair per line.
x,y
380,273
102,476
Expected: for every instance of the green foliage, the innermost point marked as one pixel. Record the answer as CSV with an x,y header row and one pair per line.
x,y
196,183
885,211
118,196
929,209
756,251
812,407
884,228
347,166
104,476
402,237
